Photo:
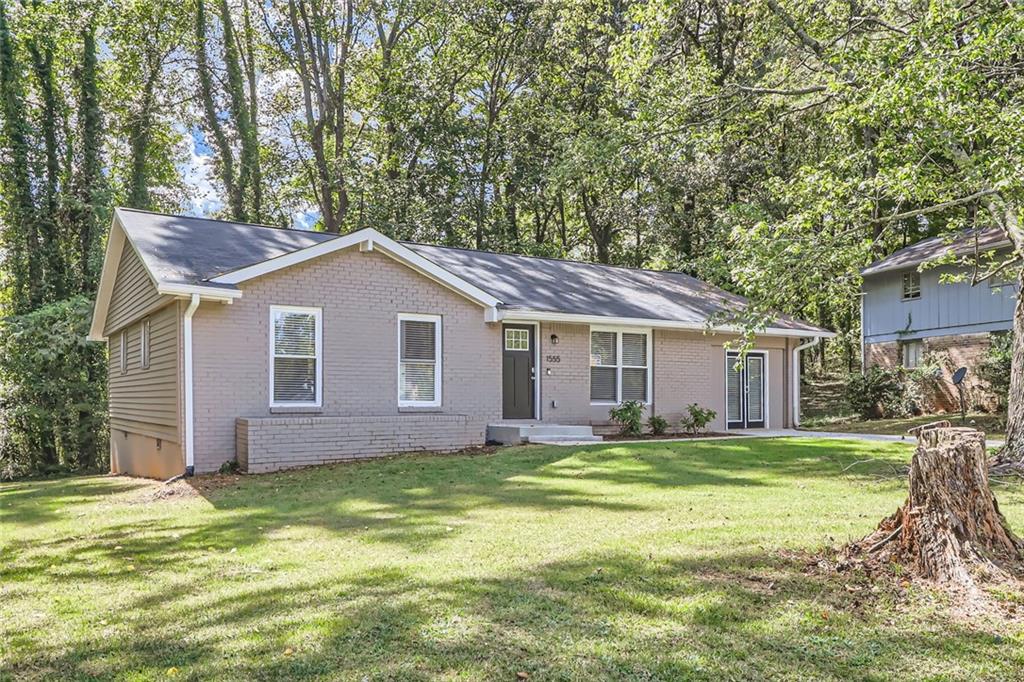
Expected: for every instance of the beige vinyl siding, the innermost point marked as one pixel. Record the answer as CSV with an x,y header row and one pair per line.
x,y
145,401
134,293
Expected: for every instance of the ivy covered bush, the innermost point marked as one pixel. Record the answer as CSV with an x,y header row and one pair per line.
x,y
995,367
52,392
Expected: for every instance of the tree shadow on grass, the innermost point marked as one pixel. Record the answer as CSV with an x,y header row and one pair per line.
x,y
33,502
603,616
418,501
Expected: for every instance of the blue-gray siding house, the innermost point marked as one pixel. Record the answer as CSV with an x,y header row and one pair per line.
x,y
908,313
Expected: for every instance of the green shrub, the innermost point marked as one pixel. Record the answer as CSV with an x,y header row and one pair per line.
x,y
995,367
629,416
697,418
657,424
52,392
876,393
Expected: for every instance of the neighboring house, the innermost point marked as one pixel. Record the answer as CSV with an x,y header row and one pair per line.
x,y
285,348
907,313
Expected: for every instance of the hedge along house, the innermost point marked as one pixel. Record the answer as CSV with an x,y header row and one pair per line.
x,y
909,314
285,348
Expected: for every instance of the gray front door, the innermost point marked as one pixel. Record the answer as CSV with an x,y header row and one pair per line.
x,y
517,374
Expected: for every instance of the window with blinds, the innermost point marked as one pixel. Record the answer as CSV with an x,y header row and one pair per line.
x,y
296,356
619,366
419,360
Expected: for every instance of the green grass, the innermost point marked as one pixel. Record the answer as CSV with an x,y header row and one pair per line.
x,y
655,561
994,425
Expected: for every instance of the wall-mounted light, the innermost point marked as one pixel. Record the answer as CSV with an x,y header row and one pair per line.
x,y
554,339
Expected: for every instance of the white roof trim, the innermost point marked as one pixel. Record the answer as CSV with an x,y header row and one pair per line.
x,y
367,239
208,293
545,316
111,258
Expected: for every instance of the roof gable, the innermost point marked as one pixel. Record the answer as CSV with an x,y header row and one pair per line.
x,y
933,248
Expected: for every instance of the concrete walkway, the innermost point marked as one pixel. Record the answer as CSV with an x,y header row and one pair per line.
x,y
767,433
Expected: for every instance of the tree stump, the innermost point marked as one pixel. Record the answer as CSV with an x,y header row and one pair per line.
x,y
950,529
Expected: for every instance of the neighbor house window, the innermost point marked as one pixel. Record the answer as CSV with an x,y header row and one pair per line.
x,y
912,352
124,351
911,286
144,344
296,353
419,360
619,366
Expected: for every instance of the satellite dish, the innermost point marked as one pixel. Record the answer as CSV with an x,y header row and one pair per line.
x,y
958,376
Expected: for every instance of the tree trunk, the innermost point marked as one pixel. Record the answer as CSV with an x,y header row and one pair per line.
x,y
950,529
1013,451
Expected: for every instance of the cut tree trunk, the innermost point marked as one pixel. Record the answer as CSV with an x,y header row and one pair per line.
x,y
950,529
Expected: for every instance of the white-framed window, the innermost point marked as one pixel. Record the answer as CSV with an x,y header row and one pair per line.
x,y
620,365
911,286
517,339
912,353
296,356
419,360
144,344
123,351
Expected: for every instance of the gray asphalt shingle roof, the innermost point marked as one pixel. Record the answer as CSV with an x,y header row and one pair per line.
x,y
577,288
932,248
179,249
184,250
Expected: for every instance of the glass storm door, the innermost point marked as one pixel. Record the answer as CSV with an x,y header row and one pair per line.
x,y
745,391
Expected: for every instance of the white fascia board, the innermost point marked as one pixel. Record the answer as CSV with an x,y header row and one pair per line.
x,y
111,257
572,318
207,293
368,239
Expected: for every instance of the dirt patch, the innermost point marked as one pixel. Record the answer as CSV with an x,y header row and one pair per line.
x,y
160,492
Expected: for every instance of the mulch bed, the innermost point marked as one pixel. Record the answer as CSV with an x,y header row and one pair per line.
x,y
666,436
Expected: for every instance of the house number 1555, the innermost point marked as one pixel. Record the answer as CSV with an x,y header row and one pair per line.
x,y
552,358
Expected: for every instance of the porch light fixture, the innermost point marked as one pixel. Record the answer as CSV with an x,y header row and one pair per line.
x,y
554,339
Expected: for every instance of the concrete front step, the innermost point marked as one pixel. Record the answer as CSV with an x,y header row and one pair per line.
x,y
513,434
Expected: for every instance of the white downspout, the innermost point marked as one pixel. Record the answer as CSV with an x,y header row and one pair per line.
x,y
796,377
189,407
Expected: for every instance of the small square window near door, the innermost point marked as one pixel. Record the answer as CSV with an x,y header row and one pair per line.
x,y
517,339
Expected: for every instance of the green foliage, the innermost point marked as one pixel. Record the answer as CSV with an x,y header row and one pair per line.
x,y
629,416
657,424
995,366
52,392
888,393
870,392
697,418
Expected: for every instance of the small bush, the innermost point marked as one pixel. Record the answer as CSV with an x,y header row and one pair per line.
x,y
229,467
657,424
629,416
874,392
697,418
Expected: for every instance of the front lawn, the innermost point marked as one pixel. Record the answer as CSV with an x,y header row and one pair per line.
x,y
652,561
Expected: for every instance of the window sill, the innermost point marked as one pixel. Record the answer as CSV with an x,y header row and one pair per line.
x,y
435,409
296,409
